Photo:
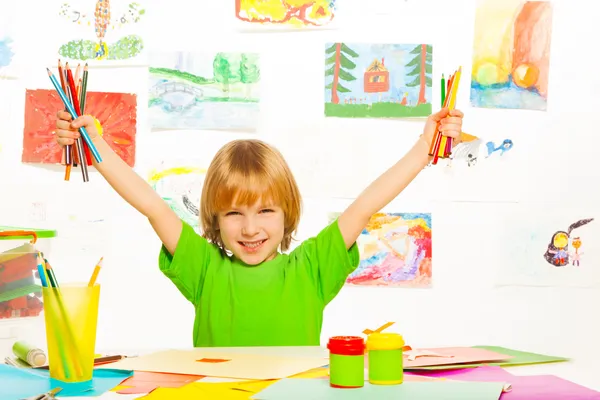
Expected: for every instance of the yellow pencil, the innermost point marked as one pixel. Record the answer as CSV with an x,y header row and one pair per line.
x,y
95,273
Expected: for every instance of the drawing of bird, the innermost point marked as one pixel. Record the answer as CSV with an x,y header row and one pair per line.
x,y
506,145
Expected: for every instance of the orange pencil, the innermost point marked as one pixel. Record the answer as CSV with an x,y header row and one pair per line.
x,y
96,272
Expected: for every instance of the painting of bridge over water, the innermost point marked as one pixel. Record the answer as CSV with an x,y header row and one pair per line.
x,y
197,91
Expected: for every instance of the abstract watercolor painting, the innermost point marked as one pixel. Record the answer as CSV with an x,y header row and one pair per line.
x,y
395,250
296,13
116,112
101,30
179,183
511,54
204,91
378,80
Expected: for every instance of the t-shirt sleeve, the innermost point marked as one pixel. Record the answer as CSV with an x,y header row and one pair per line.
x,y
328,260
187,267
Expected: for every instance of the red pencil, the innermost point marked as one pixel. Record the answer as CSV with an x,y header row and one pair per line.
x,y
68,152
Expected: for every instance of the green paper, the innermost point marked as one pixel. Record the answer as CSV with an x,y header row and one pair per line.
x,y
319,389
519,358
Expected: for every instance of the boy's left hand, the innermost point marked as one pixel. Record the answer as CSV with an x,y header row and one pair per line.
x,y
450,123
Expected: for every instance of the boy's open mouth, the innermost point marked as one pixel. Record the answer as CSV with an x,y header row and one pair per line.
x,y
252,245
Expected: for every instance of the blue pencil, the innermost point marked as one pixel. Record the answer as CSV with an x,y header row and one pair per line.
x,y
69,106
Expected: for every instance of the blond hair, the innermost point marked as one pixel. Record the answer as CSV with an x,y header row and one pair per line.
x,y
245,171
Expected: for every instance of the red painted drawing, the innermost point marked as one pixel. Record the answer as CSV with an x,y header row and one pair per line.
x,y
116,112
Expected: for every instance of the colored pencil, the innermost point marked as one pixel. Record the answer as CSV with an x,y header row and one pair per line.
x,y
68,151
71,110
441,146
443,90
75,103
96,272
78,142
83,95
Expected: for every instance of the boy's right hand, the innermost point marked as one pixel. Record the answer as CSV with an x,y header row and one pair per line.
x,y
67,130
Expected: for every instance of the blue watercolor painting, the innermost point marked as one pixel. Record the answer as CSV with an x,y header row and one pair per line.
x,y
6,52
378,80
204,91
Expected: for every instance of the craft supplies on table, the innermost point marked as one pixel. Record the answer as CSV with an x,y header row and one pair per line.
x,y
346,361
30,354
385,358
71,314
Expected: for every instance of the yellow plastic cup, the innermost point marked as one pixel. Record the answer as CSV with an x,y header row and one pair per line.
x,y
71,316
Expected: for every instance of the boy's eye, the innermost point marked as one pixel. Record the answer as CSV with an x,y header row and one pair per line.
x,y
266,210
232,213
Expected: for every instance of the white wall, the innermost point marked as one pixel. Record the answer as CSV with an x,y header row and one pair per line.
x,y
551,167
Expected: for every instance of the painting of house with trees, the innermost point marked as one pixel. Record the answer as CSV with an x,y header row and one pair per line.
x,y
365,80
204,91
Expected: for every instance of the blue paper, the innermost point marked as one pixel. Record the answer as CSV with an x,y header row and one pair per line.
x,y
319,389
19,383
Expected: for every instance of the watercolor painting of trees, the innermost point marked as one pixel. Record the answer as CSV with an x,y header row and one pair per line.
x,y
378,80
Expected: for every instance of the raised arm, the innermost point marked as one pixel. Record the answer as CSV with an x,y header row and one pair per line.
x,y
123,179
393,181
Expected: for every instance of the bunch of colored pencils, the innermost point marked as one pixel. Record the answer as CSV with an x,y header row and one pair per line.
x,y
70,362
441,146
72,91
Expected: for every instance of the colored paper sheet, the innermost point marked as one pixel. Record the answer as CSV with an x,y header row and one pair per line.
x,y
210,390
227,365
145,382
518,358
481,374
18,383
319,389
451,356
547,387
537,387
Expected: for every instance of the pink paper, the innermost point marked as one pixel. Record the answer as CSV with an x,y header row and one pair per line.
x,y
480,374
537,387
460,355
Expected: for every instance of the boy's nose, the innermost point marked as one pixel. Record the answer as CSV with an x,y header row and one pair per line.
x,y
250,228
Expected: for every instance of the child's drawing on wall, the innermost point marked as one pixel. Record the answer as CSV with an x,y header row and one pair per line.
x,y
395,250
511,54
472,150
377,80
297,13
180,186
211,90
576,255
98,38
557,253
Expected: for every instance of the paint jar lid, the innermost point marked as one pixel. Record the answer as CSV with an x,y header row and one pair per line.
x,y
347,345
385,341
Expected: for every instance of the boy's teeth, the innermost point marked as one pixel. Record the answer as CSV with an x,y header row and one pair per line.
x,y
252,244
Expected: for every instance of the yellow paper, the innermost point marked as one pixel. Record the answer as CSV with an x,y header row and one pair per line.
x,y
242,366
313,373
210,390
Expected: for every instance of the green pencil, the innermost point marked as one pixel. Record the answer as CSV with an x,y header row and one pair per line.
x,y
443,90
83,93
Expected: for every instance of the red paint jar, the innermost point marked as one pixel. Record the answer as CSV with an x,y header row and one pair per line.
x,y
346,361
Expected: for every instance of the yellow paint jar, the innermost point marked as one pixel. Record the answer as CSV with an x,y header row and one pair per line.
x,y
385,358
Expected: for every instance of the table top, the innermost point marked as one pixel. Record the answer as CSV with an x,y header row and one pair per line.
x,y
584,372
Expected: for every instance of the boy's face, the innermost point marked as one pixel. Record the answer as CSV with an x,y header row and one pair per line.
x,y
253,234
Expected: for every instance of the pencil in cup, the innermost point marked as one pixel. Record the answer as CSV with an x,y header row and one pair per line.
x,y
71,110
45,277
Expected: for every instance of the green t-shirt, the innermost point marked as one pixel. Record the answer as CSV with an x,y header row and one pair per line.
x,y
277,303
